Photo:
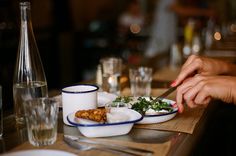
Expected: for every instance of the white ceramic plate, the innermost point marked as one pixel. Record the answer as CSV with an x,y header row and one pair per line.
x,y
150,119
93,129
39,153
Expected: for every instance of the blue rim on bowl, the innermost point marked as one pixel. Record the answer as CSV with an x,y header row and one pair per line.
x,y
102,124
95,88
171,102
164,114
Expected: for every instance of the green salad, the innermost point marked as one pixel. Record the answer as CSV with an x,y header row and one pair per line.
x,y
143,104
125,99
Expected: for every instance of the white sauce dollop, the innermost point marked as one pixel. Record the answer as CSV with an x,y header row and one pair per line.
x,y
114,117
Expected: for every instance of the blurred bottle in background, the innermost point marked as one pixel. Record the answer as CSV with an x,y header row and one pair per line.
x,y
175,56
196,44
99,76
188,37
192,39
209,34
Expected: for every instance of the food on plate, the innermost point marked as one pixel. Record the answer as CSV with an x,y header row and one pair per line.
x,y
102,115
146,105
151,106
121,101
124,99
98,115
114,117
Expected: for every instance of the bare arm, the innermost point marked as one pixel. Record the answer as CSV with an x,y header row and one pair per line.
x,y
205,66
200,90
230,69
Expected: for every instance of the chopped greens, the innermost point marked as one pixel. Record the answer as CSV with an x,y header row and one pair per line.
x,y
143,104
121,101
125,99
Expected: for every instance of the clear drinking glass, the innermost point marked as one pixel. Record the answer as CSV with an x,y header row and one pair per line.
x,y
111,72
140,81
41,119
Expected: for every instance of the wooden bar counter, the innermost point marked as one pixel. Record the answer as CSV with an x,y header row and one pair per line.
x,y
178,136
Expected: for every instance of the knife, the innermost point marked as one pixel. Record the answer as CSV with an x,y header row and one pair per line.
x,y
76,140
166,93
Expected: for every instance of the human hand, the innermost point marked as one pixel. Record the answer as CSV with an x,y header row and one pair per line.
x,y
199,90
199,65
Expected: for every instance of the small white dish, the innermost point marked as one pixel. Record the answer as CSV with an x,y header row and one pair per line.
x,y
92,129
158,118
39,153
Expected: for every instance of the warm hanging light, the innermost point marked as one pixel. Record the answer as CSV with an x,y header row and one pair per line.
x,y
217,36
233,28
135,28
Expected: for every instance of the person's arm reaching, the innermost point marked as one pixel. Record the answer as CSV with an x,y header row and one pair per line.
x,y
204,66
199,90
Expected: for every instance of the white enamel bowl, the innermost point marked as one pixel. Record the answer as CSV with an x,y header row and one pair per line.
x,y
93,129
158,118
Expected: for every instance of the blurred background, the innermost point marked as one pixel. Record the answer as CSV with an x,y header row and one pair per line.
x,y
73,35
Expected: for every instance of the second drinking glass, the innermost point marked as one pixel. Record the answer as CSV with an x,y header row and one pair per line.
x,y
140,81
111,72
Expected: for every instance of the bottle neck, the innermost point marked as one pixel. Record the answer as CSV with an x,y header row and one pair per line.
x,y
26,31
25,11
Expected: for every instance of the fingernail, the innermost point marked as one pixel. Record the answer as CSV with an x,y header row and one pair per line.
x,y
173,84
179,111
175,105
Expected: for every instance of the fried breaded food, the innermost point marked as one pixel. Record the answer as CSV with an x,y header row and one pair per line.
x,y
98,115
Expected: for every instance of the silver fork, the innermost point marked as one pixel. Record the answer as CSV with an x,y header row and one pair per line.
x,y
88,145
85,146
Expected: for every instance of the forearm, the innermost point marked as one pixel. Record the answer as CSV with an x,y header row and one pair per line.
x,y
228,69
218,67
233,92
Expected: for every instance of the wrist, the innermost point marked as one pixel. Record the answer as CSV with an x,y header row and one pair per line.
x,y
233,91
229,69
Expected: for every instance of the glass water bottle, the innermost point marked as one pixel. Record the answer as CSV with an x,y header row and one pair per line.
x,y
29,79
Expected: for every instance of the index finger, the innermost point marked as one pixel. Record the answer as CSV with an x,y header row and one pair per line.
x,y
189,61
185,72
